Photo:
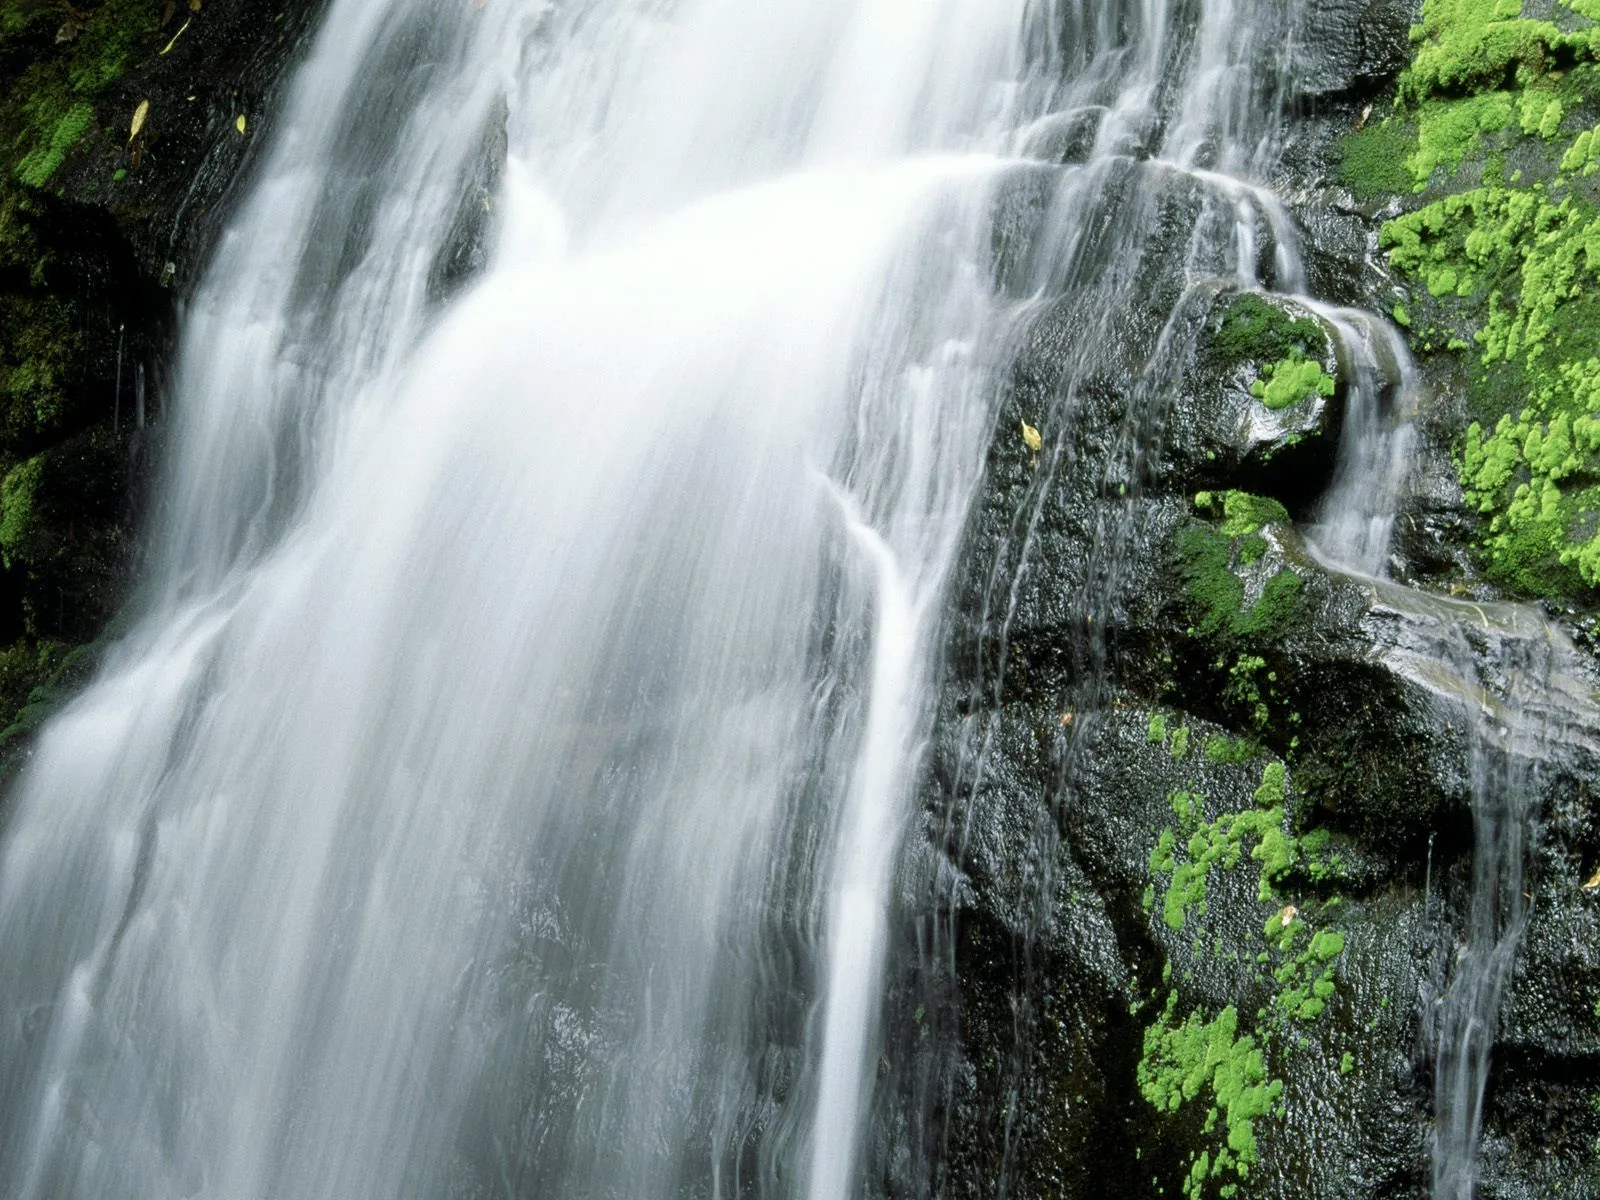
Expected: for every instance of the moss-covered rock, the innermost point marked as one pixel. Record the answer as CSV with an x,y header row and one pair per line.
x,y
119,142
1497,241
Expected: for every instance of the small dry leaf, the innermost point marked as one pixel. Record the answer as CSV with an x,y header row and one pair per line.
x,y
168,47
239,124
1287,915
168,12
69,31
1067,719
1032,437
139,115
1594,882
194,5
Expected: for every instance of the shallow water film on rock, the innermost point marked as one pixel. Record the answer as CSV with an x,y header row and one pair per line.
x,y
863,598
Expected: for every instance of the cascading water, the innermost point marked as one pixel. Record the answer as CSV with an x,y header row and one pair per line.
x,y
500,793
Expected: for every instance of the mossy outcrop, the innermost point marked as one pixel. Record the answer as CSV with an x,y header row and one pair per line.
x,y
1487,151
1198,825
124,125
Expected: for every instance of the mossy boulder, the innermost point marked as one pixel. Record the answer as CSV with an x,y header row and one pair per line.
x,y
1263,398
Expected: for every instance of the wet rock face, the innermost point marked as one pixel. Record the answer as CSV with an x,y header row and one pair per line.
x,y
131,124
1140,640
1352,47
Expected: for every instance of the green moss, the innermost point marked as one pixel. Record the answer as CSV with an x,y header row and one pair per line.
x,y
1157,729
1278,608
1180,742
1223,751
18,519
1183,1062
1447,131
37,167
1512,266
1290,380
1469,45
52,104
1372,162
1210,1061
1206,561
1255,330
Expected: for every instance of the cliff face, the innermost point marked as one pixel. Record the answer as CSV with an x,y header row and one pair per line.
x,y
1212,825
126,125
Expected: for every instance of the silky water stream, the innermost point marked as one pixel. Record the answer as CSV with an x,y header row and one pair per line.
x,y
499,792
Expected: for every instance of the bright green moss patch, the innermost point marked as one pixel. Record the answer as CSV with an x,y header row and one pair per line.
x,y
1285,383
44,160
1512,266
1201,847
1529,265
1447,131
1179,747
1470,45
1243,514
1222,751
1213,1063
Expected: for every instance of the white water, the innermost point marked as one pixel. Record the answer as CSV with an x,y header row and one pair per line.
x,y
502,789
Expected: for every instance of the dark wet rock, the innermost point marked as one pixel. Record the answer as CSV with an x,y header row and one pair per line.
x,y
1108,590
1352,46
101,235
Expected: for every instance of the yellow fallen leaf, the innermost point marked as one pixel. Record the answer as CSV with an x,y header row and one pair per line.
x,y
194,5
1287,915
1032,437
139,115
175,37
239,124
1067,719
1594,882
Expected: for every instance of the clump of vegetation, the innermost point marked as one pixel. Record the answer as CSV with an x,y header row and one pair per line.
x,y
1221,845
1208,560
1511,264
1215,1057
1256,330
1373,160
1186,1060
54,99
1290,380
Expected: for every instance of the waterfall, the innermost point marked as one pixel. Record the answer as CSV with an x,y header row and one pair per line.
x,y
500,792
501,789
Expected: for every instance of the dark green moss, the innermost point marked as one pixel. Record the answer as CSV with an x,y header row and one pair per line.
x,y
73,56
1254,330
1372,162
